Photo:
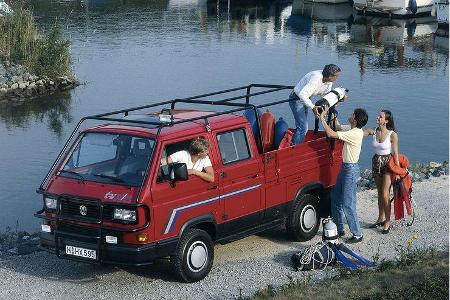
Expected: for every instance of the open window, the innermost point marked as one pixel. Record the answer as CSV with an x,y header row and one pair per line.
x,y
164,172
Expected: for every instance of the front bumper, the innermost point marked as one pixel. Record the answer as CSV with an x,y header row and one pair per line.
x,y
132,255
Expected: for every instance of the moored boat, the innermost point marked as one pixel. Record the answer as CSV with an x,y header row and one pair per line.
x,y
441,34
394,8
322,11
442,15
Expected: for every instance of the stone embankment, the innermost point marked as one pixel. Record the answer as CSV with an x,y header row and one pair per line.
x,y
418,173
18,243
17,85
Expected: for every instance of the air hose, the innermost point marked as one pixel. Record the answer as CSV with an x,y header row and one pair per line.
x,y
313,256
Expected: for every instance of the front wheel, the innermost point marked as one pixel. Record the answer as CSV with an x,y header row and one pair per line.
x,y
194,256
304,219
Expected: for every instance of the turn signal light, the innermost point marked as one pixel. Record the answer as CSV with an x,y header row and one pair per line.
x,y
142,237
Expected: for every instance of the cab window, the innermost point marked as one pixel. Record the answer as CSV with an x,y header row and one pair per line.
x,y
163,173
233,146
110,158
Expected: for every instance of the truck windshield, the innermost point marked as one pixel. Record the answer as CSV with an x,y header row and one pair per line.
x,y
109,158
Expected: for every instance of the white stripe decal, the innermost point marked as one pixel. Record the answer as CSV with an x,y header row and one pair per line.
x,y
175,212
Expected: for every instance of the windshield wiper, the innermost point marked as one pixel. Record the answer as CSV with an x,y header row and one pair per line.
x,y
116,179
72,173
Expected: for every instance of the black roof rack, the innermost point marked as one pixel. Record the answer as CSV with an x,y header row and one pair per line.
x,y
230,102
195,100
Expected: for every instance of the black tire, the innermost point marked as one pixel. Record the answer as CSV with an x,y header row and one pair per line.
x,y
304,219
194,256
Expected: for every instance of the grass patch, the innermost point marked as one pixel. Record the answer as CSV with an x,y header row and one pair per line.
x,y
419,274
42,55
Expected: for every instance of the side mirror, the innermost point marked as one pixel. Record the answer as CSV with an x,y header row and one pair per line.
x,y
178,172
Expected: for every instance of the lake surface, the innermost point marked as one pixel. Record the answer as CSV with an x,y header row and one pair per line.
x,y
133,53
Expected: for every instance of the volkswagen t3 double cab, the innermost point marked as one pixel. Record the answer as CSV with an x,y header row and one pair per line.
x,y
109,199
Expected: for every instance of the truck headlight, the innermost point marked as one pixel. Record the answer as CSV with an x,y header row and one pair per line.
x,y
125,215
50,203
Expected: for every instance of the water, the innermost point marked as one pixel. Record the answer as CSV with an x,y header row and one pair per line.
x,y
132,53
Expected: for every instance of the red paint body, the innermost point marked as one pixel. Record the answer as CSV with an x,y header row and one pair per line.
x,y
276,177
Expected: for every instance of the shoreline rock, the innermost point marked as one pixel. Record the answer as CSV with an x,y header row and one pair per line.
x,y
418,173
17,242
18,85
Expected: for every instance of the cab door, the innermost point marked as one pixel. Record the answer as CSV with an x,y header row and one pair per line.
x,y
240,180
176,204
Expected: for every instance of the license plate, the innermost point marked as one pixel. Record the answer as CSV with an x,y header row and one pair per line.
x,y
81,252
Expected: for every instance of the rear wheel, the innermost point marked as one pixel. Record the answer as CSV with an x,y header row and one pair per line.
x,y
304,219
194,256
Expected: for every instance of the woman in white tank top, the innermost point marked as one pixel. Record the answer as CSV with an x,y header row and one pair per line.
x,y
385,144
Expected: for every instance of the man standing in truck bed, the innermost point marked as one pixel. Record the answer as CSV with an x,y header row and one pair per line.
x,y
343,195
312,84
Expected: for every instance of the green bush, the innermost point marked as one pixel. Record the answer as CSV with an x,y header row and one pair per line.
x,y
54,55
21,43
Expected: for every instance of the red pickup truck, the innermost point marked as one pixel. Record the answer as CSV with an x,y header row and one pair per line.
x,y
108,198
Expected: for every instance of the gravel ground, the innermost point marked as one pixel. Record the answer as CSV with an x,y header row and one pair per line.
x,y
242,267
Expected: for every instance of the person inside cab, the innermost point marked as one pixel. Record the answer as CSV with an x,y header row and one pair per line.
x,y
196,159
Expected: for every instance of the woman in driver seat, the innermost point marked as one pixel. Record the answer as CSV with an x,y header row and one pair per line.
x,y
196,159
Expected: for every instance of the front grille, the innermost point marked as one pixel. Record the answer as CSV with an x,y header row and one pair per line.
x,y
66,229
77,229
82,210
108,213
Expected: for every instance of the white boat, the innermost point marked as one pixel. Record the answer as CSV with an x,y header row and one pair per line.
x,y
394,8
4,8
322,11
441,34
442,13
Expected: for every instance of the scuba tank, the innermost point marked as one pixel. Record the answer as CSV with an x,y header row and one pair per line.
x,y
267,130
330,236
329,100
328,251
280,130
330,232
249,113
332,98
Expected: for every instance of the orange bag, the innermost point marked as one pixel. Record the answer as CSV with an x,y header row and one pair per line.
x,y
402,187
401,170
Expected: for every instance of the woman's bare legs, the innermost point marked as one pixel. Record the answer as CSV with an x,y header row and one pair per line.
x,y
386,186
381,205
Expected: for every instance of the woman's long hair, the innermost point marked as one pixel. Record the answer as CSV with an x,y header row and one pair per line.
x,y
390,118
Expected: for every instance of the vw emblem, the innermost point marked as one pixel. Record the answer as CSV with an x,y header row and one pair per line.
x,y
83,210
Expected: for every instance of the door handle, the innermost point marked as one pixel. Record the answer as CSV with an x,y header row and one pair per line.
x,y
254,176
222,174
212,187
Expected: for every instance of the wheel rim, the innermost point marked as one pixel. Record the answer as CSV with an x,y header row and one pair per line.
x,y
197,256
308,218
